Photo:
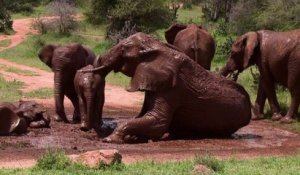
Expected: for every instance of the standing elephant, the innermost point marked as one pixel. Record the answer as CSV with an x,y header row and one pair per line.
x,y
193,40
277,55
90,91
182,98
64,62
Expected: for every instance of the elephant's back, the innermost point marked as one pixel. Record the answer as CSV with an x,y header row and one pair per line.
x,y
214,104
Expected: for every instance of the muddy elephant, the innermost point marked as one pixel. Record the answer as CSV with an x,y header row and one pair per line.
x,y
277,56
90,91
193,40
181,97
64,62
16,117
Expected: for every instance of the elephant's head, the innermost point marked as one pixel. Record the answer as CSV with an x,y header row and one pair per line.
x,y
46,54
142,57
242,55
11,122
29,109
174,29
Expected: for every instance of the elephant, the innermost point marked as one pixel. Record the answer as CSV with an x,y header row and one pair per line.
x,y
64,62
277,56
181,97
90,90
17,117
193,40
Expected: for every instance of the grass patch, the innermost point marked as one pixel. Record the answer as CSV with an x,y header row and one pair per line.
x,y
118,79
42,93
17,71
37,12
56,162
10,90
26,52
5,42
193,15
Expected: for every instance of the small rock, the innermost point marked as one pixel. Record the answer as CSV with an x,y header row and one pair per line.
x,y
202,170
94,158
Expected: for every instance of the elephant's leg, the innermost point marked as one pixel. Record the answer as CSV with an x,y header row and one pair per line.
x,y
97,120
74,99
154,124
269,89
83,113
59,98
293,107
145,106
258,109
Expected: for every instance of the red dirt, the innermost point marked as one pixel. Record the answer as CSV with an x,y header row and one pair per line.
x,y
257,139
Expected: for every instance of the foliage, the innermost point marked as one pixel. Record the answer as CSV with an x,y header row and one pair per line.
x,y
138,15
5,19
209,161
53,160
287,165
9,90
65,12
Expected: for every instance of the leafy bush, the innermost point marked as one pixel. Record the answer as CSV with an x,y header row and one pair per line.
x,y
5,19
53,160
211,162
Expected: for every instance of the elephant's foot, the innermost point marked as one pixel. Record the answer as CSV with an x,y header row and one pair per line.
x,y
276,116
60,119
286,120
84,127
256,115
114,138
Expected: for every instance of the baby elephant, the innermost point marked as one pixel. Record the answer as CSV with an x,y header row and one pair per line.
x,y
17,117
90,90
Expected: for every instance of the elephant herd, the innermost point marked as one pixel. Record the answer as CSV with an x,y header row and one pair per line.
x,y
182,97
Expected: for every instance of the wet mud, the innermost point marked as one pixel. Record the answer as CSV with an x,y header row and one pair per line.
x,y
257,139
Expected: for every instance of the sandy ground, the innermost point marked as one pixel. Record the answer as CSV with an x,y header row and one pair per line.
x,y
257,139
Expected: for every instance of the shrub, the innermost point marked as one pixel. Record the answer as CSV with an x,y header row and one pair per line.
x,y
211,162
5,19
53,160
65,12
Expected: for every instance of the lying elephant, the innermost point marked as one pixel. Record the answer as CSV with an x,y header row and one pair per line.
x,y
16,117
277,55
182,98
64,62
90,91
193,40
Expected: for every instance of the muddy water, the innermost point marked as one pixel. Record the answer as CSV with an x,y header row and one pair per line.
x,y
258,138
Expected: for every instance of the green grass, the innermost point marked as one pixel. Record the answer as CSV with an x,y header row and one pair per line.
x,y
5,43
37,12
41,93
193,15
17,71
118,79
10,91
56,162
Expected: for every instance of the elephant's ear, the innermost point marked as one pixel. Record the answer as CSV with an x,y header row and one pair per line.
x,y
46,54
172,31
155,72
247,43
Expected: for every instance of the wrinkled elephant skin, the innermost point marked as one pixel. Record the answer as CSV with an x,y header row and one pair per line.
x,y
277,55
64,62
90,90
181,97
194,41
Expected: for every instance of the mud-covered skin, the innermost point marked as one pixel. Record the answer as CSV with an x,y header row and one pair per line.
x,y
90,91
64,62
193,40
22,114
277,55
182,97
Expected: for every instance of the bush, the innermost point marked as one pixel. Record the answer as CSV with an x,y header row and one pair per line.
x,y
53,160
5,19
211,162
65,12
128,16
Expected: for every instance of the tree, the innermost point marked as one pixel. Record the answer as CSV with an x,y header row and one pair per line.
x,y
214,9
99,10
5,19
